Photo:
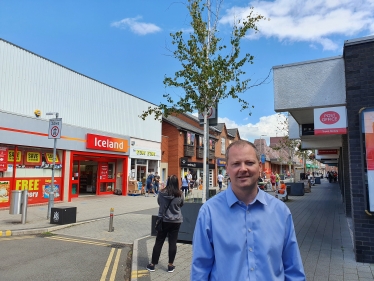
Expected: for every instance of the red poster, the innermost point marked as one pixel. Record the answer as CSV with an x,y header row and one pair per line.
x,y
103,171
3,159
39,189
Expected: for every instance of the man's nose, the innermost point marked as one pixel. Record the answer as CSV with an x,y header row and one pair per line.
x,y
243,167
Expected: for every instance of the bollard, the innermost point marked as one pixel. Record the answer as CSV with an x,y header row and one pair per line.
x,y
24,206
111,227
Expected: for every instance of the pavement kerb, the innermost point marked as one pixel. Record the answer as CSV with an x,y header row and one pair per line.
x,y
43,229
134,263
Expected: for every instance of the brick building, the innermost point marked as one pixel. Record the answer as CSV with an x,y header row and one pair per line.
x,y
183,147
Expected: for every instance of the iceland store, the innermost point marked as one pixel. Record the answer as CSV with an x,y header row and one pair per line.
x,y
98,121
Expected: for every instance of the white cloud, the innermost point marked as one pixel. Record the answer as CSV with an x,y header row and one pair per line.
x,y
312,21
270,126
136,26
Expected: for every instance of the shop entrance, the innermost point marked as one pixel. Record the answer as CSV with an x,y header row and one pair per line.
x,y
92,176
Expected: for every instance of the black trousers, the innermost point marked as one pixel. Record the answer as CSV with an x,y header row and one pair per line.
x,y
170,230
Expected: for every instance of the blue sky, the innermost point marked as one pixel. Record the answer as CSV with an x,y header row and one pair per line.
x,y
126,44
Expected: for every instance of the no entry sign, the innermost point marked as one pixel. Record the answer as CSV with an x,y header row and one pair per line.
x,y
55,126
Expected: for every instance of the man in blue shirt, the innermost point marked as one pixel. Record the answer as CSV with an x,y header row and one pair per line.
x,y
244,233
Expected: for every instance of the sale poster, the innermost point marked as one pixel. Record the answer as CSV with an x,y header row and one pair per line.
x,y
4,191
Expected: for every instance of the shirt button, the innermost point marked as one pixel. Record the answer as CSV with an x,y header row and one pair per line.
x,y
250,249
252,268
249,230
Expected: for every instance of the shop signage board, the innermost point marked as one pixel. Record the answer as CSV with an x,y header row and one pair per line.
x,y
221,162
327,151
55,126
330,120
3,159
99,142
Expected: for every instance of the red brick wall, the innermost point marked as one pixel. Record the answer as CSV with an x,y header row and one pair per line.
x,y
164,149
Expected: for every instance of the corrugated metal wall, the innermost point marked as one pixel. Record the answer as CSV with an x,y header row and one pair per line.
x,y
29,82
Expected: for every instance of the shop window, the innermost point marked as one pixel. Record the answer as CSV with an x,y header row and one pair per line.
x,y
36,162
190,139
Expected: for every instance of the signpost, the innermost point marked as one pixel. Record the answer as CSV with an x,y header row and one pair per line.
x,y
54,132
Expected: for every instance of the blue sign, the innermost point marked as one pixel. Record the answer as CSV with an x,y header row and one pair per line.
x,y
263,158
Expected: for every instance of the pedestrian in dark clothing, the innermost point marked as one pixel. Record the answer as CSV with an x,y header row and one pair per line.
x,y
171,222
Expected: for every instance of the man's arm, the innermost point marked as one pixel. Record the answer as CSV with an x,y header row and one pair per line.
x,y
292,263
202,249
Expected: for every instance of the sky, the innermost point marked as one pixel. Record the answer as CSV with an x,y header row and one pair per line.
x,y
127,44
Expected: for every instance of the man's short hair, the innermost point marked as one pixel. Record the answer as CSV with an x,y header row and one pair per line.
x,y
242,143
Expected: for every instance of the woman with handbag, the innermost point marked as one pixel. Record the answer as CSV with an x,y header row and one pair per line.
x,y
170,200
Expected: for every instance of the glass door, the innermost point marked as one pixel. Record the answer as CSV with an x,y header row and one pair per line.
x,y
106,177
75,180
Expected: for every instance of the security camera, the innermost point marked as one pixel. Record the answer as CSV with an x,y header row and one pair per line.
x,y
37,113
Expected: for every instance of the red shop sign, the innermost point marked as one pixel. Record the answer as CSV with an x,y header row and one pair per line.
x,y
3,159
106,143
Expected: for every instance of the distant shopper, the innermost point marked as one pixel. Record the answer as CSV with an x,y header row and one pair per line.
x,y
272,180
149,184
185,185
156,183
220,180
171,222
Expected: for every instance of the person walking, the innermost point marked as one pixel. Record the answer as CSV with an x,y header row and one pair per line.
x,y
220,180
272,180
170,199
149,184
185,185
253,238
156,183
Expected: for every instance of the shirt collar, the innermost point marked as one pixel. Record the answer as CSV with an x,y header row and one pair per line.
x,y
232,199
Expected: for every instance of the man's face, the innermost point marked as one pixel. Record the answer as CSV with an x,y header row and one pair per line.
x,y
243,167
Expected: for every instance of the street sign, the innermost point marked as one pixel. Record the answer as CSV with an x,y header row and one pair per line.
x,y
55,126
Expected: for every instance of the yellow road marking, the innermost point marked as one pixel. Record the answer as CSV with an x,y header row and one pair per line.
x,y
106,268
115,266
16,238
139,273
78,241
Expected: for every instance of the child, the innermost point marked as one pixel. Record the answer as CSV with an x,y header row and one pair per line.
x,y
282,187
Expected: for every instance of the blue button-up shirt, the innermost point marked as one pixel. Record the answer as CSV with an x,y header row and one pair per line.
x,y
233,241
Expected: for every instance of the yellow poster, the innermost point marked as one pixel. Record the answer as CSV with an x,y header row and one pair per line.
x,y
11,156
33,157
49,158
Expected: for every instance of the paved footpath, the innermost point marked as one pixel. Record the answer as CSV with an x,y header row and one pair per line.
x,y
322,231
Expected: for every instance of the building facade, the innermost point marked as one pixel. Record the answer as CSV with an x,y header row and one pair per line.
x,y
331,102
102,141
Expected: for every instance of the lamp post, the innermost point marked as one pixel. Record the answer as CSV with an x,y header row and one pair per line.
x,y
261,149
54,132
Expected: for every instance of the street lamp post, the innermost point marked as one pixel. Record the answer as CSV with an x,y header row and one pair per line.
x,y
54,132
261,147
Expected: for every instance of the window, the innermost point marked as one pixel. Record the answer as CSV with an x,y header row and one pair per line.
x,y
190,138
223,145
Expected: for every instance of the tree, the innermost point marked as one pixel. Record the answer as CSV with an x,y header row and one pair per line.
x,y
210,72
291,146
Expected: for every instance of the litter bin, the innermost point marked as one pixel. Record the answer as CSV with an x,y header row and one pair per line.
x,y
15,202
63,215
317,180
